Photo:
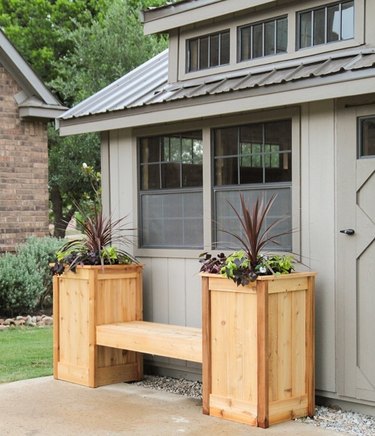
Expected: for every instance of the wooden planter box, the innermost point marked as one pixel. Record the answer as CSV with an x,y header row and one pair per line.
x,y
258,348
92,296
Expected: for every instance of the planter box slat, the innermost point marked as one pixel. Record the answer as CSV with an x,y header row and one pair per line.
x,y
261,348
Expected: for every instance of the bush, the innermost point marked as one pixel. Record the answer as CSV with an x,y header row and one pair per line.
x,y
25,278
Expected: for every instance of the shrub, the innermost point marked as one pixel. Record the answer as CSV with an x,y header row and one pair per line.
x,y
25,279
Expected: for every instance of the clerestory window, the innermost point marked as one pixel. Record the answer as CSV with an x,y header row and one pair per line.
x,y
263,39
326,24
208,51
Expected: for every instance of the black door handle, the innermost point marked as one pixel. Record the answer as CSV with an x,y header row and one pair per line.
x,y
348,232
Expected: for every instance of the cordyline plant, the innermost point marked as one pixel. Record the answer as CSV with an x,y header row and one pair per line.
x,y
96,245
247,264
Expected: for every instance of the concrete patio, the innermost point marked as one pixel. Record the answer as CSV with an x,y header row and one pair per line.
x,y
45,406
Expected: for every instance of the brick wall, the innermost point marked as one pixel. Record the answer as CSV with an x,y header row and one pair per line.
x,y
23,171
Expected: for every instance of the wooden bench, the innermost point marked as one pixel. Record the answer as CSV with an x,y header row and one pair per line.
x,y
165,340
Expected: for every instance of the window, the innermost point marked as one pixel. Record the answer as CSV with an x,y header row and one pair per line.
x,y
171,202
366,137
334,22
255,159
263,39
208,51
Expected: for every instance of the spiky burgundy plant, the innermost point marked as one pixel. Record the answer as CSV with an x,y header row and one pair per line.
x,y
255,234
96,247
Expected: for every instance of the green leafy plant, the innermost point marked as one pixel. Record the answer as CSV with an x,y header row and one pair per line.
x,y
25,279
245,265
96,247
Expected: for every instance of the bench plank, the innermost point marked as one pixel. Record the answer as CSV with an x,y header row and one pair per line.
x,y
165,340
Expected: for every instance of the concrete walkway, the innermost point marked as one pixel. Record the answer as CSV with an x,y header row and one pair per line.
x,y
47,407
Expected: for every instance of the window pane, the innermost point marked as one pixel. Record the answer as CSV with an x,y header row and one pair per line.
x,y
226,171
305,27
226,219
214,50
170,175
282,35
269,38
367,137
226,141
203,53
279,168
149,150
258,41
193,55
347,20
224,48
172,220
150,177
319,26
245,50
333,23
197,151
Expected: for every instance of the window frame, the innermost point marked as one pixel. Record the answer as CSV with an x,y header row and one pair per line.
x,y
246,187
206,126
360,120
210,36
324,6
251,26
141,193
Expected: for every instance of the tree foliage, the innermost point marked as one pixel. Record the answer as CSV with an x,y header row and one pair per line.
x,y
104,51
35,28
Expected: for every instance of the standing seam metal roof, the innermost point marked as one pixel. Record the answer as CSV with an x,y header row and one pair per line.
x,y
148,84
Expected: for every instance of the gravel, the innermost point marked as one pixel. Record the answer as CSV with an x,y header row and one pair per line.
x,y
351,423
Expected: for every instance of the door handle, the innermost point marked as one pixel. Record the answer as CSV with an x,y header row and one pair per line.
x,y
348,232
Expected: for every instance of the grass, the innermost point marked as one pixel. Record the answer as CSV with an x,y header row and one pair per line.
x,y
25,353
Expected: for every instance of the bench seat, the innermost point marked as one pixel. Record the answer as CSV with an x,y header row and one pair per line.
x,y
165,340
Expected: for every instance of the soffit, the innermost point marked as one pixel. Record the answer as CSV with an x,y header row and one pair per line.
x,y
147,86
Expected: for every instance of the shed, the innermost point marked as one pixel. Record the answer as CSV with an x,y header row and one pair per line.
x,y
258,97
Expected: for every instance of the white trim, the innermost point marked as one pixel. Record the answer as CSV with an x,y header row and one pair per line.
x,y
40,112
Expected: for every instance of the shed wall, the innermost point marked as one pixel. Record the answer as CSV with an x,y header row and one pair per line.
x,y
172,284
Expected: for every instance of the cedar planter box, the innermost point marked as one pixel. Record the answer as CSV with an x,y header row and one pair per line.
x,y
258,348
92,296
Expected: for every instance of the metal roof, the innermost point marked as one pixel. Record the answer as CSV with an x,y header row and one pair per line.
x,y
148,84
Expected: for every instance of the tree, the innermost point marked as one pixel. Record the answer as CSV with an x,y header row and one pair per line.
x,y
106,50
68,184
35,28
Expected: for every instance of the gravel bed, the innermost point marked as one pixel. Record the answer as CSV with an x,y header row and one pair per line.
x,y
183,387
351,423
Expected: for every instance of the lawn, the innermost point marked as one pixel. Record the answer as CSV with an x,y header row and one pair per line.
x,y
25,353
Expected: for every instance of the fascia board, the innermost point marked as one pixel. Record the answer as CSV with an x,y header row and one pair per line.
x,y
47,113
160,21
22,72
209,106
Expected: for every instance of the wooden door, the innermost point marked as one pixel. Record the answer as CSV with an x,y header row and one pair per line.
x,y
356,252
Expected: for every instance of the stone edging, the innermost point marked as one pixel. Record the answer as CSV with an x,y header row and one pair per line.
x,y
26,321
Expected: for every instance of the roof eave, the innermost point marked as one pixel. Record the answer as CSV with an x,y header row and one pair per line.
x,y
286,94
23,73
42,112
169,17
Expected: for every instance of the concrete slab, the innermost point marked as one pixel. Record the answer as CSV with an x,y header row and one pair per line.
x,y
45,406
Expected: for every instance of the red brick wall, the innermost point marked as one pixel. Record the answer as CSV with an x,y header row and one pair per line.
x,y
23,171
